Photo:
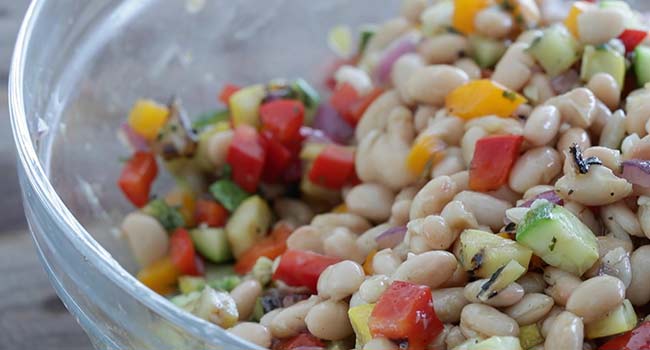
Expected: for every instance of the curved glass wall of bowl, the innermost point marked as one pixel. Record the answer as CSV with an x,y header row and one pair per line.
x,y
78,67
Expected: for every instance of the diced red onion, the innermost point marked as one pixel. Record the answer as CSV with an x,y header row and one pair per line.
x,y
406,44
332,124
314,135
565,81
637,172
391,237
550,196
135,140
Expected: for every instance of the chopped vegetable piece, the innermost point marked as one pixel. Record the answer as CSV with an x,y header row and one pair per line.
x,y
227,91
603,59
270,247
367,264
212,243
216,307
464,13
621,319
356,110
189,284
301,341
530,336
262,271
425,152
342,99
183,255
278,159
308,96
339,40
228,194
246,157
571,21
497,343
501,279
556,50
333,167
160,276
483,253
245,104
176,139
359,317
225,283
137,176
637,339
494,157
641,62
186,302
483,97
631,38
210,119
366,33
170,218
405,311
559,238
210,213
283,118
486,51
248,224
302,268
181,198
147,117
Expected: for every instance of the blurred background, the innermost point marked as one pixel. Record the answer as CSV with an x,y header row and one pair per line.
x,y
31,315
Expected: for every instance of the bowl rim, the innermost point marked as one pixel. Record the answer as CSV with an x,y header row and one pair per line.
x,y
74,232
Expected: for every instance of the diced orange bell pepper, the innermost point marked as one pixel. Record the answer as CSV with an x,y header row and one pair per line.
x,y
147,117
341,208
464,13
571,20
367,265
483,97
427,149
183,199
160,276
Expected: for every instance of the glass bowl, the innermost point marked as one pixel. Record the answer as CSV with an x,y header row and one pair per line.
x,y
78,67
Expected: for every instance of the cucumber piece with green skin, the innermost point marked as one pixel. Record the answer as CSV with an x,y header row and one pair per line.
x,y
559,238
250,222
500,279
486,51
497,343
556,50
169,217
641,64
212,243
603,59
483,253
619,320
530,336
189,284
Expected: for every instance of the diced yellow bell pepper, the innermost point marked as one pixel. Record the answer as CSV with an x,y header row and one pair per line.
x,y
359,317
183,199
311,150
245,105
147,117
464,13
223,125
483,97
160,276
621,319
571,20
340,209
426,150
367,265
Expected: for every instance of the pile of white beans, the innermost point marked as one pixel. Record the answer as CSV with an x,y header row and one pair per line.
x,y
436,208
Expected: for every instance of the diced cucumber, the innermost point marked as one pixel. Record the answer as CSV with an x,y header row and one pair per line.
x,y
530,336
189,284
486,51
210,118
500,279
245,105
497,343
483,253
641,63
228,194
170,218
556,50
216,307
258,310
559,238
186,302
248,224
213,272
212,243
603,59
201,158
308,96
262,271
225,283
619,320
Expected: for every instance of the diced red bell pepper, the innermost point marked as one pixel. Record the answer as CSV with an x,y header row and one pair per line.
x,y
343,98
246,156
494,157
271,247
405,311
137,176
210,213
278,158
359,107
300,341
294,171
302,268
631,38
227,91
183,255
333,167
283,118
636,339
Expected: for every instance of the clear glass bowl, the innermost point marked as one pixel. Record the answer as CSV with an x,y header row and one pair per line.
x,y
78,67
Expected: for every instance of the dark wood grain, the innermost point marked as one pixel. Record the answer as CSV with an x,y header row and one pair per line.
x,y
31,315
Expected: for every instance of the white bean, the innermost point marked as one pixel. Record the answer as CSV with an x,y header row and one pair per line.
x,y
537,166
595,297
291,320
245,295
147,238
639,290
621,215
543,125
306,238
444,48
505,297
373,287
433,197
329,221
412,9
470,68
530,309
611,158
577,107
340,280
468,142
376,115
637,106
602,115
366,242
218,147
293,210
380,343
573,136
432,84
606,89
493,22
342,243
566,333
385,262
402,71
451,163
561,284
329,320
448,303
252,332
539,89
372,201
599,25
515,67
614,131
431,268
487,209
434,232
532,282
487,321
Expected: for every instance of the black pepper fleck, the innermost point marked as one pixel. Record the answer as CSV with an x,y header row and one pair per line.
x,y
570,192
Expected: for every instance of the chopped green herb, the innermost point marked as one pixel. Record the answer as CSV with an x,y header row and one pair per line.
x,y
210,118
228,193
306,94
170,218
551,247
367,32
226,171
512,96
226,283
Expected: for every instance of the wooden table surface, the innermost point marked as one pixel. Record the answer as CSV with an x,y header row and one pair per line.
x,y
31,315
